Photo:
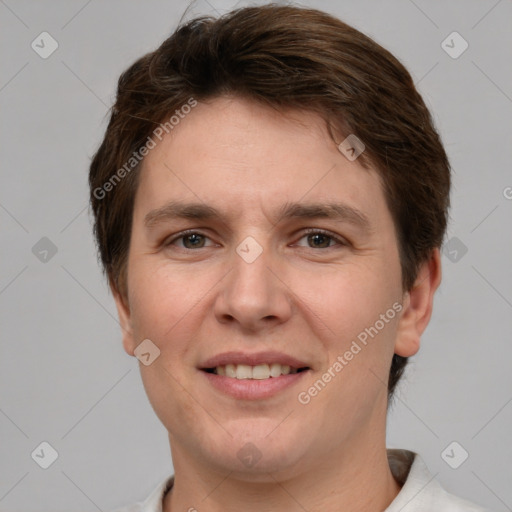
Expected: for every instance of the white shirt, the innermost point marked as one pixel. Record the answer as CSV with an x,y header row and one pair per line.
x,y
420,492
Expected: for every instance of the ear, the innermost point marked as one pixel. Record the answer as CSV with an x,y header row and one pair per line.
x,y
123,311
417,306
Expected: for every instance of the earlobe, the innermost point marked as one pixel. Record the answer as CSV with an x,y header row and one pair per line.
x,y
123,311
418,304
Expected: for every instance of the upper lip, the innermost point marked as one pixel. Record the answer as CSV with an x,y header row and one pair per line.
x,y
255,359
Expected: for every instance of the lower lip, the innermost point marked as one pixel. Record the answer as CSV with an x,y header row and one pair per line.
x,y
253,389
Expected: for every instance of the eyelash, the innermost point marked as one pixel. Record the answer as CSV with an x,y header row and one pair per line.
x,y
307,232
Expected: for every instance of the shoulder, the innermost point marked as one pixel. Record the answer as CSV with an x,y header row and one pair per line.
x,y
443,501
153,503
421,492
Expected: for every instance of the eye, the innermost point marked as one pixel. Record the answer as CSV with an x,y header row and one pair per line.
x,y
320,239
315,239
190,240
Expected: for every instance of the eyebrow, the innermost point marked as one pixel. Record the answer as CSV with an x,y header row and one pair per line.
x,y
200,211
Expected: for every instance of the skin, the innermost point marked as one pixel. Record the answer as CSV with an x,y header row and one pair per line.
x,y
298,297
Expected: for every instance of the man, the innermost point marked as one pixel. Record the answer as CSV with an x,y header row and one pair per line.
x,y
270,198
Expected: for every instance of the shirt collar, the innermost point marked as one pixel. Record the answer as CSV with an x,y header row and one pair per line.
x,y
154,503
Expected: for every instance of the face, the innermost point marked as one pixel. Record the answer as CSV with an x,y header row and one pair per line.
x,y
256,246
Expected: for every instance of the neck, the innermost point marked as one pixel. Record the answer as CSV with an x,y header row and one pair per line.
x,y
351,478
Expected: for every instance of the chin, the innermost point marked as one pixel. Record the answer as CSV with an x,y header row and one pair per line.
x,y
257,450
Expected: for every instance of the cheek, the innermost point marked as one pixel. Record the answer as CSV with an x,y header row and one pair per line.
x,y
159,298
169,305
350,311
164,309
343,301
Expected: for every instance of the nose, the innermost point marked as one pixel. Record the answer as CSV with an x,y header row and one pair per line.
x,y
254,294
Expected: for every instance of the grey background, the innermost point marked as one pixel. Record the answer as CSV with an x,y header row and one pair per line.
x,y
64,377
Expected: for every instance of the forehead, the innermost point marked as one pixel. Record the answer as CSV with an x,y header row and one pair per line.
x,y
238,156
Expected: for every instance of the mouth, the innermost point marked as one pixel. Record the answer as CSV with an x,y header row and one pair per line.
x,y
253,376
257,372
260,382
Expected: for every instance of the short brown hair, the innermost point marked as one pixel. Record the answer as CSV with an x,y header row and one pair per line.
x,y
288,58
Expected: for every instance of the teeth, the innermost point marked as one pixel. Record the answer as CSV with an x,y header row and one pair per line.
x,y
262,371
275,370
243,371
230,371
258,372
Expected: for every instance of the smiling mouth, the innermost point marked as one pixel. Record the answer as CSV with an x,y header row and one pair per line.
x,y
258,372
